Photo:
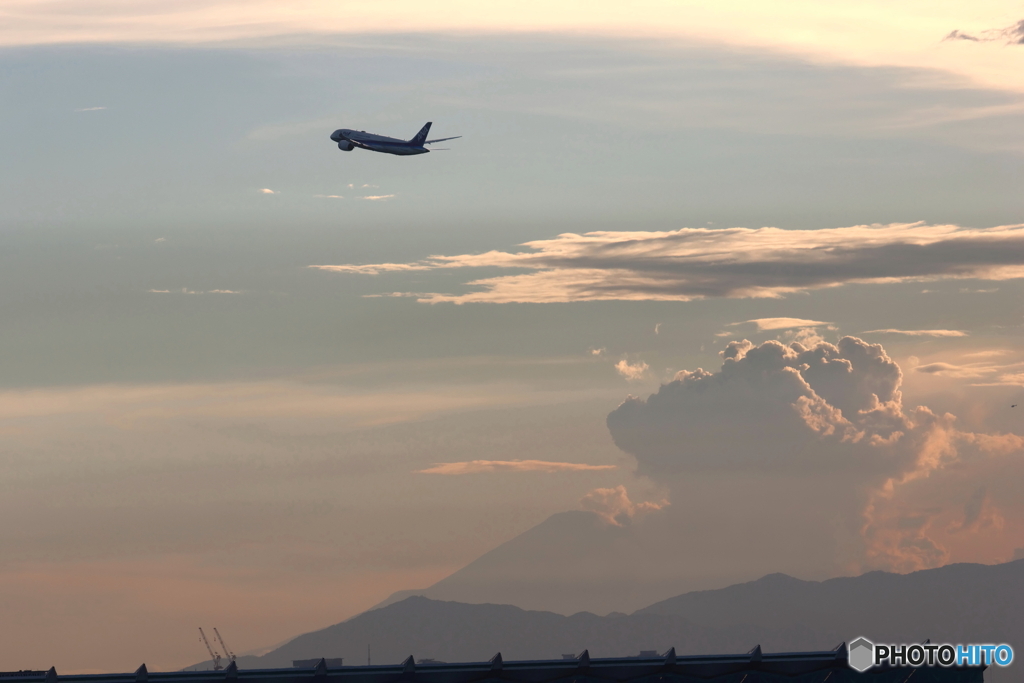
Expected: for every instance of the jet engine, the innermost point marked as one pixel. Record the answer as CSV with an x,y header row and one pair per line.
x,y
346,146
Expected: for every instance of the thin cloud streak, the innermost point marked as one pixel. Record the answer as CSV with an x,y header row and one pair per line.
x,y
699,263
920,333
766,324
480,466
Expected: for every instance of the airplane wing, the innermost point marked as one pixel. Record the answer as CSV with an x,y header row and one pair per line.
x,y
441,140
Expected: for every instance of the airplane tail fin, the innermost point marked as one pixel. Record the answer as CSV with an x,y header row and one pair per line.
x,y
421,137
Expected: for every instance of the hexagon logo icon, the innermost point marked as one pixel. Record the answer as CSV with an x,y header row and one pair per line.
x,y
862,654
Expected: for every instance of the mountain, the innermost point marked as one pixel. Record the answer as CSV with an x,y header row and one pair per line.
x,y
956,603
572,561
967,603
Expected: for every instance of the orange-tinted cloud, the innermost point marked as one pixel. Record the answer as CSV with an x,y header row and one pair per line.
x,y
687,264
478,466
614,505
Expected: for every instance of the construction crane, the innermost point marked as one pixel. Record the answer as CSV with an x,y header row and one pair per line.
x,y
214,655
229,653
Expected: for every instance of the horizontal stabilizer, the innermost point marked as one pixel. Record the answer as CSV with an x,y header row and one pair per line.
x,y
428,142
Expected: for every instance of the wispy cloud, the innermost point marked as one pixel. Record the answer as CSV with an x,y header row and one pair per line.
x,y
1010,379
329,196
920,333
186,290
696,263
91,109
1011,35
480,466
267,190
1006,372
378,197
764,324
951,370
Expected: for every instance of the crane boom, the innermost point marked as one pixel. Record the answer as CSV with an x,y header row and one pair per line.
x,y
229,653
214,655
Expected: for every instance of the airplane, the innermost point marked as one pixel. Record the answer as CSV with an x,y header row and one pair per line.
x,y
350,139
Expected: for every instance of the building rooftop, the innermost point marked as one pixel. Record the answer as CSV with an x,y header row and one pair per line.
x,y
752,667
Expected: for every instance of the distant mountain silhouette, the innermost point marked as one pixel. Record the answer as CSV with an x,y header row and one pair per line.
x,y
570,562
957,603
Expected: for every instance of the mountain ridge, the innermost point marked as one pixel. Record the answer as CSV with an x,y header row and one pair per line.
x,y
958,603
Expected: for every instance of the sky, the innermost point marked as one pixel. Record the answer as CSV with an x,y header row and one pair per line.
x,y
747,274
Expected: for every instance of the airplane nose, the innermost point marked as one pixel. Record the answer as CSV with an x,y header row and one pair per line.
x,y
336,135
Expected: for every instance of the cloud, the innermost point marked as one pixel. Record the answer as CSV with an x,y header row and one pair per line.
x,y
91,109
614,505
632,371
979,513
764,324
950,370
920,333
267,190
971,370
697,263
988,353
186,290
160,239
479,466
378,197
1011,35
1014,379
329,196
830,414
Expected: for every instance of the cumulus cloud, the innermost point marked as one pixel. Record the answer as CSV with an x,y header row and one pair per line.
x,y
920,333
614,505
632,371
831,411
267,190
479,466
695,263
